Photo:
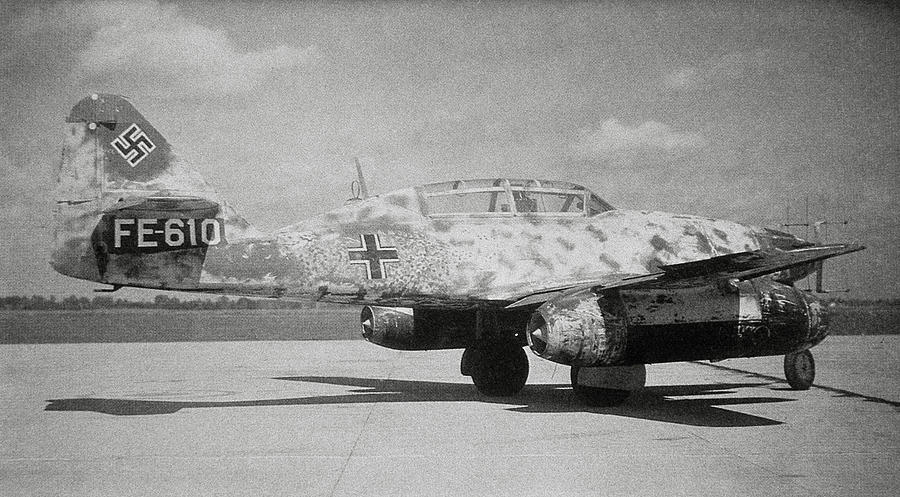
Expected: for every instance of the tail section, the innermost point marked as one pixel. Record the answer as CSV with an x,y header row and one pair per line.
x,y
129,211
111,148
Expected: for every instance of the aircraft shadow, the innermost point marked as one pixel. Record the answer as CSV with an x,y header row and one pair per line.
x,y
659,403
838,392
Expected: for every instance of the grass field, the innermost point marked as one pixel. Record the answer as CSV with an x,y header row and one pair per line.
x,y
140,325
865,320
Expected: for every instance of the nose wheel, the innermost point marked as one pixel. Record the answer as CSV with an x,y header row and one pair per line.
x,y
800,370
497,369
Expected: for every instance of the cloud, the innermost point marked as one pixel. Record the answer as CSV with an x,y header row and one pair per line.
x,y
22,198
149,48
10,178
733,66
613,137
682,78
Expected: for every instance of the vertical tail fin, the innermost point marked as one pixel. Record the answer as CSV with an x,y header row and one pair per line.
x,y
116,166
110,147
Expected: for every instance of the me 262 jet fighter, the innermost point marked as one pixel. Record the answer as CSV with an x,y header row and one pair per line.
x,y
489,266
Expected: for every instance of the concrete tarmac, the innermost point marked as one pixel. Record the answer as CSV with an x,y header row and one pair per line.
x,y
341,418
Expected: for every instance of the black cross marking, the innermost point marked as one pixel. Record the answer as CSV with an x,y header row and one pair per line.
x,y
373,256
133,145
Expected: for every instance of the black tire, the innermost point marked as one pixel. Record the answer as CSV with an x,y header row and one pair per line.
x,y
800,370
499,369
596,397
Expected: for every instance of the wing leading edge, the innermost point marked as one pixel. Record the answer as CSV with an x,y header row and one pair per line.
x,y
740,266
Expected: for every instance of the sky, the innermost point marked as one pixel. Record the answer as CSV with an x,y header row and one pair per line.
x,y
744,111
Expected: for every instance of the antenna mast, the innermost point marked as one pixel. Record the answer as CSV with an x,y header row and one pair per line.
x,y
363,189
820,236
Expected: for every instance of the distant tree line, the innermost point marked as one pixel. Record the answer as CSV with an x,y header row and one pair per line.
x,y
70,303
864,302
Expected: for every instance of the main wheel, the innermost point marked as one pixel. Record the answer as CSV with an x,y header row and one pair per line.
x,y
497,369
607,387
800,370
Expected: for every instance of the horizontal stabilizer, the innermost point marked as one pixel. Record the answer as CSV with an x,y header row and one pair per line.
x,y
162,207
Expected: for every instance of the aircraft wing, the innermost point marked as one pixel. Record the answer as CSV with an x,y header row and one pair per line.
x,y
741,266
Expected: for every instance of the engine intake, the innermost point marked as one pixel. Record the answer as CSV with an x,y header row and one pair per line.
x,y
403,328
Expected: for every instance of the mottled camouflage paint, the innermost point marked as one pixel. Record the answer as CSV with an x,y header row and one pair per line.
x,y
585,328
461,260
484,259
460,271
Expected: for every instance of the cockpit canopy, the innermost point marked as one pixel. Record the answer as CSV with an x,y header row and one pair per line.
x,y
510,197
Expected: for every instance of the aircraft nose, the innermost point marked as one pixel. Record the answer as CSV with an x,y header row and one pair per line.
x,y
818,317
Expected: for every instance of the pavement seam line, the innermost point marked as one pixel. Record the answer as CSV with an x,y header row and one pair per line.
x,y
359,435
839,391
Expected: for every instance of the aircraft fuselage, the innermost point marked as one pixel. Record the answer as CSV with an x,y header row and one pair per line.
x,y
376,251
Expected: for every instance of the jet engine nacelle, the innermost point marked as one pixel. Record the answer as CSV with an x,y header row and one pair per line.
x,y
737,319
403,328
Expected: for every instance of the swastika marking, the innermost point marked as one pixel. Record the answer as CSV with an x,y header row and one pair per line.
x,y
133,145
373,256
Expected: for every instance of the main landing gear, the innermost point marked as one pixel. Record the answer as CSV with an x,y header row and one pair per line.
x,y
607,386
800,370
498,369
